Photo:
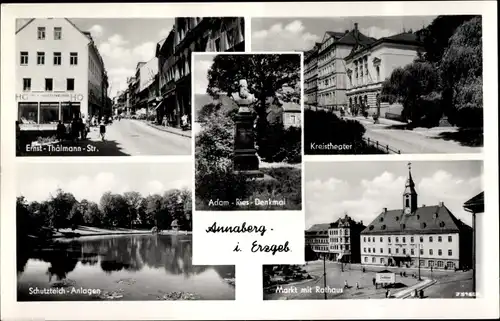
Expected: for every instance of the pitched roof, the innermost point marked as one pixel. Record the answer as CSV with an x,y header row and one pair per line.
x,y
318,229
335,34
476,203
85,33
408,38
355,37
425,220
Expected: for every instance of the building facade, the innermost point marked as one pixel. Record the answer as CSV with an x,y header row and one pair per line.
x,y
174,59
368,66
317,238
332,74
59,74
311,76
337,241
425,236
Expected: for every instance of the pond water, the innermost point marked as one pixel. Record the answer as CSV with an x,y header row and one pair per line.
x,y
131,267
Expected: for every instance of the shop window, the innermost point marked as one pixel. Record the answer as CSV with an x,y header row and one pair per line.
x,y
70,111
450,265
49,112
28,113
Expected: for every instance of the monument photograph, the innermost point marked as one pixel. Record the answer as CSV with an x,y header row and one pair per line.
x,y
247,123
388,229
385,84
110,232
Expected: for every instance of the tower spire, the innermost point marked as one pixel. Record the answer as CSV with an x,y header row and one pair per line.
x,y
409,195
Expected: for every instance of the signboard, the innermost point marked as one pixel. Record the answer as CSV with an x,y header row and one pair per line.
x,y
49,95
389,277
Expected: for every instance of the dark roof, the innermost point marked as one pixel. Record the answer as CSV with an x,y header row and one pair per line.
x,y
476,201
355,37
318,229
335,34
422,221
409,38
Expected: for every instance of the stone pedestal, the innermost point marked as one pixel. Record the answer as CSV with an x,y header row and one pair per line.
x,y
245,160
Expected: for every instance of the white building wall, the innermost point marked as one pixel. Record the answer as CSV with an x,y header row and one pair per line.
x,y
72,40
378,246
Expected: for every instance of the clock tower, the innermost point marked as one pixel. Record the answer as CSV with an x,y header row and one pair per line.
x,y
409,195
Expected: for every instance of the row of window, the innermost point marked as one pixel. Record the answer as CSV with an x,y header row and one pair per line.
x,y
57,58
326,98
327,70
320,248
324,83
341,247
339,240
430,263
41,33
338,231
403,239
49,84
412,251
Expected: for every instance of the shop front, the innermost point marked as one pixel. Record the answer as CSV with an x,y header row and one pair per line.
x,y
42,111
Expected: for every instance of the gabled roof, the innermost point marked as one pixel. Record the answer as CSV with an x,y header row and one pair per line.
x,y
355,37
425,220
335,34
86,34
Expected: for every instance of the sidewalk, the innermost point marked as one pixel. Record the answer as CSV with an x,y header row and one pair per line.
x,y
419,286
381,120
173,130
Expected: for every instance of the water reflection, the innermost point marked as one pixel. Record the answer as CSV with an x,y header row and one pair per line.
x,y
132,254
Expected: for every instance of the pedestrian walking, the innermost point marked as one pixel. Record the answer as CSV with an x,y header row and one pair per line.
x,y
82,128
357,286
164,121
184,120
102,129
345,284
74,130
374,281
387,293
61,130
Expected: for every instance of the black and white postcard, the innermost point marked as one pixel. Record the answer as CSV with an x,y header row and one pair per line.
x,y
111,87
94,231
386,85
248,131
387,230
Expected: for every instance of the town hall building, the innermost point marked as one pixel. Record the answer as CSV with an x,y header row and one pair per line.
x,y
429,236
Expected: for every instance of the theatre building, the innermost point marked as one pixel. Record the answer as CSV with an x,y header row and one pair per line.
x,y
59,74
370,64
429,236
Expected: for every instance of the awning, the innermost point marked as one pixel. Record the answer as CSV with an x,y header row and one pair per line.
x,y
160,104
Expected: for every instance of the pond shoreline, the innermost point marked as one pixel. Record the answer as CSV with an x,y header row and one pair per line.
x,y
78,233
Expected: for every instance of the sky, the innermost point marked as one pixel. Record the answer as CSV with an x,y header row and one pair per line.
x,y
36,181
289,34
123,43
202,64
363,189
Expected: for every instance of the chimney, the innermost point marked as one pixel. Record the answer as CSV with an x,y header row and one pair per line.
x,y
356,26
423,205
347,31
441,204
385,209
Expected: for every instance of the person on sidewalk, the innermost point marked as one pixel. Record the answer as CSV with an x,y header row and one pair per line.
x,y
184,121
357,286
61,131
345,284
102,129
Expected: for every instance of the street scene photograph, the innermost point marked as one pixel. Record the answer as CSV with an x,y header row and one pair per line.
x,y
247,131
103,231
385,85
111,87
387,230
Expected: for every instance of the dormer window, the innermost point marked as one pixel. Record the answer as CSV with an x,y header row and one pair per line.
x,y
381,219
397,218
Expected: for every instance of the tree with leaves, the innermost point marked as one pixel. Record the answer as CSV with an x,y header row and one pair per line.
x,y
412,85
266,75
462,75
59,208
